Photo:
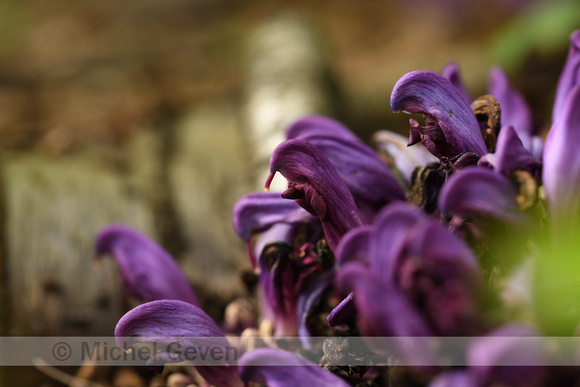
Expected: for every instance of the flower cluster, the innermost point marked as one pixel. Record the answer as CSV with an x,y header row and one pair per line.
x,y
468,231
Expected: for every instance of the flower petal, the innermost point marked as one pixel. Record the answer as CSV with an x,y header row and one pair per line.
x,y
147,271
278,368
306,303
561,173
479,191
316,185
405,159
510,154
170,322
569,77
314,126
368,178
514,109
487,357
354,246
452,73
454,379
345,310
432,94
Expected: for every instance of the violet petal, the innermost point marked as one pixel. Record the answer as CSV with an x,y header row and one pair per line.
x,y
278,368
515,111
405,159
147,271
307,301
561,173
479,191
168,322
432,94
345,310
451,72
354,246
319,126
368,178
454,379
382,310
260,210
316,185
487,357
569,77
510,154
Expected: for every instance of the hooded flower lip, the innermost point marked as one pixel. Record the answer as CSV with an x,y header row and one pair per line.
x,y
479,191
319,126
368,178
147,271
316,186
561,172
450,125
569,77
452,73
514,109
267,213
510,154
167,322
278,368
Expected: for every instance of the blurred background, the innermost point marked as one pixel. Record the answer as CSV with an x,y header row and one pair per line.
x,y
161,114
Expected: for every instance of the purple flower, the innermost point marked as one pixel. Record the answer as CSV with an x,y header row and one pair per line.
x,y
177,326
146,270
316,186
420,280
480,192
450,125
569,77
510,154
368,178
278,368
272,217
399,156
452,73
561,173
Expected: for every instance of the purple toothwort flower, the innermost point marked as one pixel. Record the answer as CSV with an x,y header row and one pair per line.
x,y
316,186
451,72
167,323
146,270
368,178
561,172
271,217
481,192
278,368
569,77
450,125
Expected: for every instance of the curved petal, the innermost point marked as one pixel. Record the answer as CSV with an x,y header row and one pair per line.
x,y
451,72
147,271
368,178
442,275
510,154
345,310
478,191
405,159
312,126
260,210
569,77
561,173
491,359
388,238
454,379
278,368
382,310
172,324
316,185
455,129
354,246
514,108
307,300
